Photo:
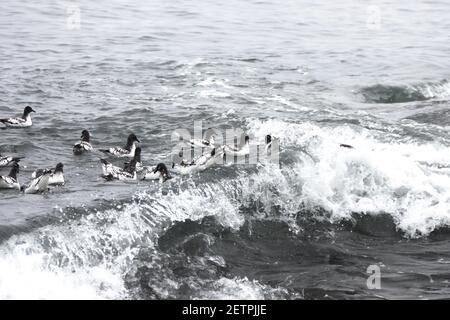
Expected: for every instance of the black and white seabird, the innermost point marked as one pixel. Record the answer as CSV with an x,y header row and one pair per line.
x,y
56,175
203,143
159,172
236,151
112,172
10,181
136,162
84,144
6,161
199,164
39,183
269,142
181,161
21,122
127,151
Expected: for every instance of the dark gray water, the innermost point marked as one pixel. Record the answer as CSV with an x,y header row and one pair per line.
x,y
373,75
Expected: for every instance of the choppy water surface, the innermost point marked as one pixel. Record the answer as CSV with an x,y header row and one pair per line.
x,y
373,75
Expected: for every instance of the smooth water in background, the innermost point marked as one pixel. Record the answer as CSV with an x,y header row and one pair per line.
x,y
313,74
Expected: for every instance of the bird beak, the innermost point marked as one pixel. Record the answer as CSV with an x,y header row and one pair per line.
x,y
138,140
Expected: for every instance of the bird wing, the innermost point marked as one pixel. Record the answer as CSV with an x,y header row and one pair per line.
x,y
118,151
13,121
4,161
86,145
110,169
7,180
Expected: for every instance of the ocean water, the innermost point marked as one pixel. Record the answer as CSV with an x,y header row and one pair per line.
x,y
313,74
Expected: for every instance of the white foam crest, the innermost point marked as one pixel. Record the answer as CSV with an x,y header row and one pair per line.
x,y
211,81
198,202
83,259
25,278
272,191
87,258
407,180
240,289
286,102
436,90
212,93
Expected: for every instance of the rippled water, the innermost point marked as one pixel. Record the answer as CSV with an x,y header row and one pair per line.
x,y
312,74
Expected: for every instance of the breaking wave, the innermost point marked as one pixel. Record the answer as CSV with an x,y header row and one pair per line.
x,y
123,252
381,174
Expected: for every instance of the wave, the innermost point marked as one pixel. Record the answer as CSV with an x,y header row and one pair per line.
x,y
381,175
404,93
116,253
99,254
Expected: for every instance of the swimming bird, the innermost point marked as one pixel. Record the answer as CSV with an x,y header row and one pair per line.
x,y
10,181
56,175
269,143
203,143
136,162
21,122
181,160
199,164
111,172
159,172
235,151
146,172
127,151
39,182
8,160
84,145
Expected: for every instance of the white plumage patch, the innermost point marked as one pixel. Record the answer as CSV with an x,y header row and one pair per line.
x,y
117,173
82,146
199,164
18,122
39,184
5,161
8,183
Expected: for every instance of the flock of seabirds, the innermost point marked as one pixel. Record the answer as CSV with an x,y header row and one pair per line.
x,y
133,170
